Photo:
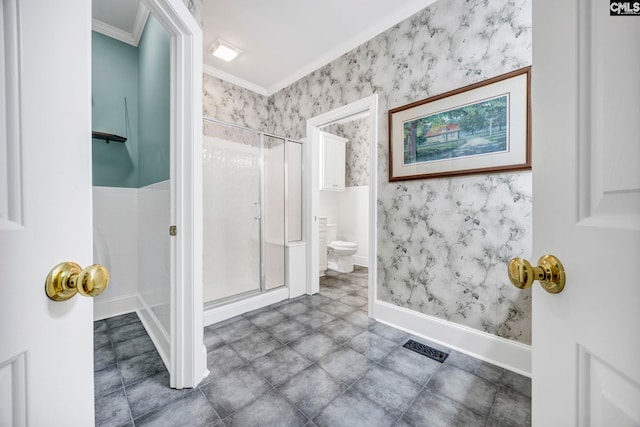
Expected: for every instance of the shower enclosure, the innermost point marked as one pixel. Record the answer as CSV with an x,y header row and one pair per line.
x,y
245,220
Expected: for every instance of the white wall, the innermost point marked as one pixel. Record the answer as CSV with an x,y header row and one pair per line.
x,y
353,220
131,238
350,210
154,256
115,223
330,206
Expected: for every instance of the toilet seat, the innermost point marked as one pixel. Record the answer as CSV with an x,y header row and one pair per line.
x,y
340,256
341,244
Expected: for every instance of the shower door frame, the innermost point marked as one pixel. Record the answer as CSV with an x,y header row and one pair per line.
x,y
231,306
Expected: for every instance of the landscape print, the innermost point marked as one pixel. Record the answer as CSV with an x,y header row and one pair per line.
x,y
469,130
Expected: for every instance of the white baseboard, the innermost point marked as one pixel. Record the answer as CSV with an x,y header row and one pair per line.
x,y
505,353
156,332
227,311
103,309
362,261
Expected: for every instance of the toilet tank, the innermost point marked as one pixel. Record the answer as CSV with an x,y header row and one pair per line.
x,y
332,232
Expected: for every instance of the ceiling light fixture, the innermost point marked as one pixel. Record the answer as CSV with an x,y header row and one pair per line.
x,y
224,50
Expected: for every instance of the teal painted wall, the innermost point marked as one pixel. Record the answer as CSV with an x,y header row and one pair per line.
x,y
154,98
142,75
114,77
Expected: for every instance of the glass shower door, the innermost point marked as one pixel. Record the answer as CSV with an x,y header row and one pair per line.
x,y
274,212
232,212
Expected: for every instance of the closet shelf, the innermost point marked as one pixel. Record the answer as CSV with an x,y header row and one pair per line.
x,y
107,136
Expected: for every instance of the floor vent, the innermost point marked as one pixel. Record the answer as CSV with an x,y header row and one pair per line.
x,y
425,350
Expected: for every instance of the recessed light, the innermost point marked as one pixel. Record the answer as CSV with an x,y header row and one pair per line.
x,y
224,50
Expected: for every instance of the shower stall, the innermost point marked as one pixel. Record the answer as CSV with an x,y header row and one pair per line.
x,y
245,204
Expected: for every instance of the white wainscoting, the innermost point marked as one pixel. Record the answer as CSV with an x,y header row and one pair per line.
x,y
353,224
154,252
115,231
131,237
114,306
499,351
350,210
156,332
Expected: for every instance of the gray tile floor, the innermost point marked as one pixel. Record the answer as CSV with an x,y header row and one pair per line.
x,y
312,361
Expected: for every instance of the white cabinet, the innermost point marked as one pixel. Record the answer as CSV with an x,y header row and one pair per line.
x,y
332,161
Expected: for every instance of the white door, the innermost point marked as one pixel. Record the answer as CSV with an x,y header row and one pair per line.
x,y
586,192
46,350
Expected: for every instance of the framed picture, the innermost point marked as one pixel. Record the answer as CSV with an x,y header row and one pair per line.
x,y
481,128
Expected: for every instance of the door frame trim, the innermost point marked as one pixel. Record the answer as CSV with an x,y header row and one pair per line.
x,y
311,185
188,354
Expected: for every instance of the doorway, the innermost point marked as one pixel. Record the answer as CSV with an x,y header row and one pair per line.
x,y
366,108
169,245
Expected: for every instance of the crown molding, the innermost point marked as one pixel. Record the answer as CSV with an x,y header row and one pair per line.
x,y
116,33
138,24
230,78
113,32
409,9
348,45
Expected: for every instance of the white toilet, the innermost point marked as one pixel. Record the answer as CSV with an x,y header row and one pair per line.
x,y
339,253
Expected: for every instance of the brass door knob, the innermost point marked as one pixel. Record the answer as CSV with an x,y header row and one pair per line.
x,y
68,278
549,272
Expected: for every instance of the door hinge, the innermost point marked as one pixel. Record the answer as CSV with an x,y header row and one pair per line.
x,y
173,230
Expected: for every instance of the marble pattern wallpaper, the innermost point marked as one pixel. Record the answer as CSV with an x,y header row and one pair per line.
x,y
357,153
231,103
195,7
443,244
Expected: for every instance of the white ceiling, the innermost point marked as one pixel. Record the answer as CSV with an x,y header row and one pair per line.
x,y
117,13
282,40
120,19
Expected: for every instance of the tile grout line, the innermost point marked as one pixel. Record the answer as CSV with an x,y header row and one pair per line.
x,y
424,387
210,404
353,384
124,389
323,407
493,402
159,408
286,344
274,387
473,410
126,396
348,387
290,402
118,362
250,364
246,363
